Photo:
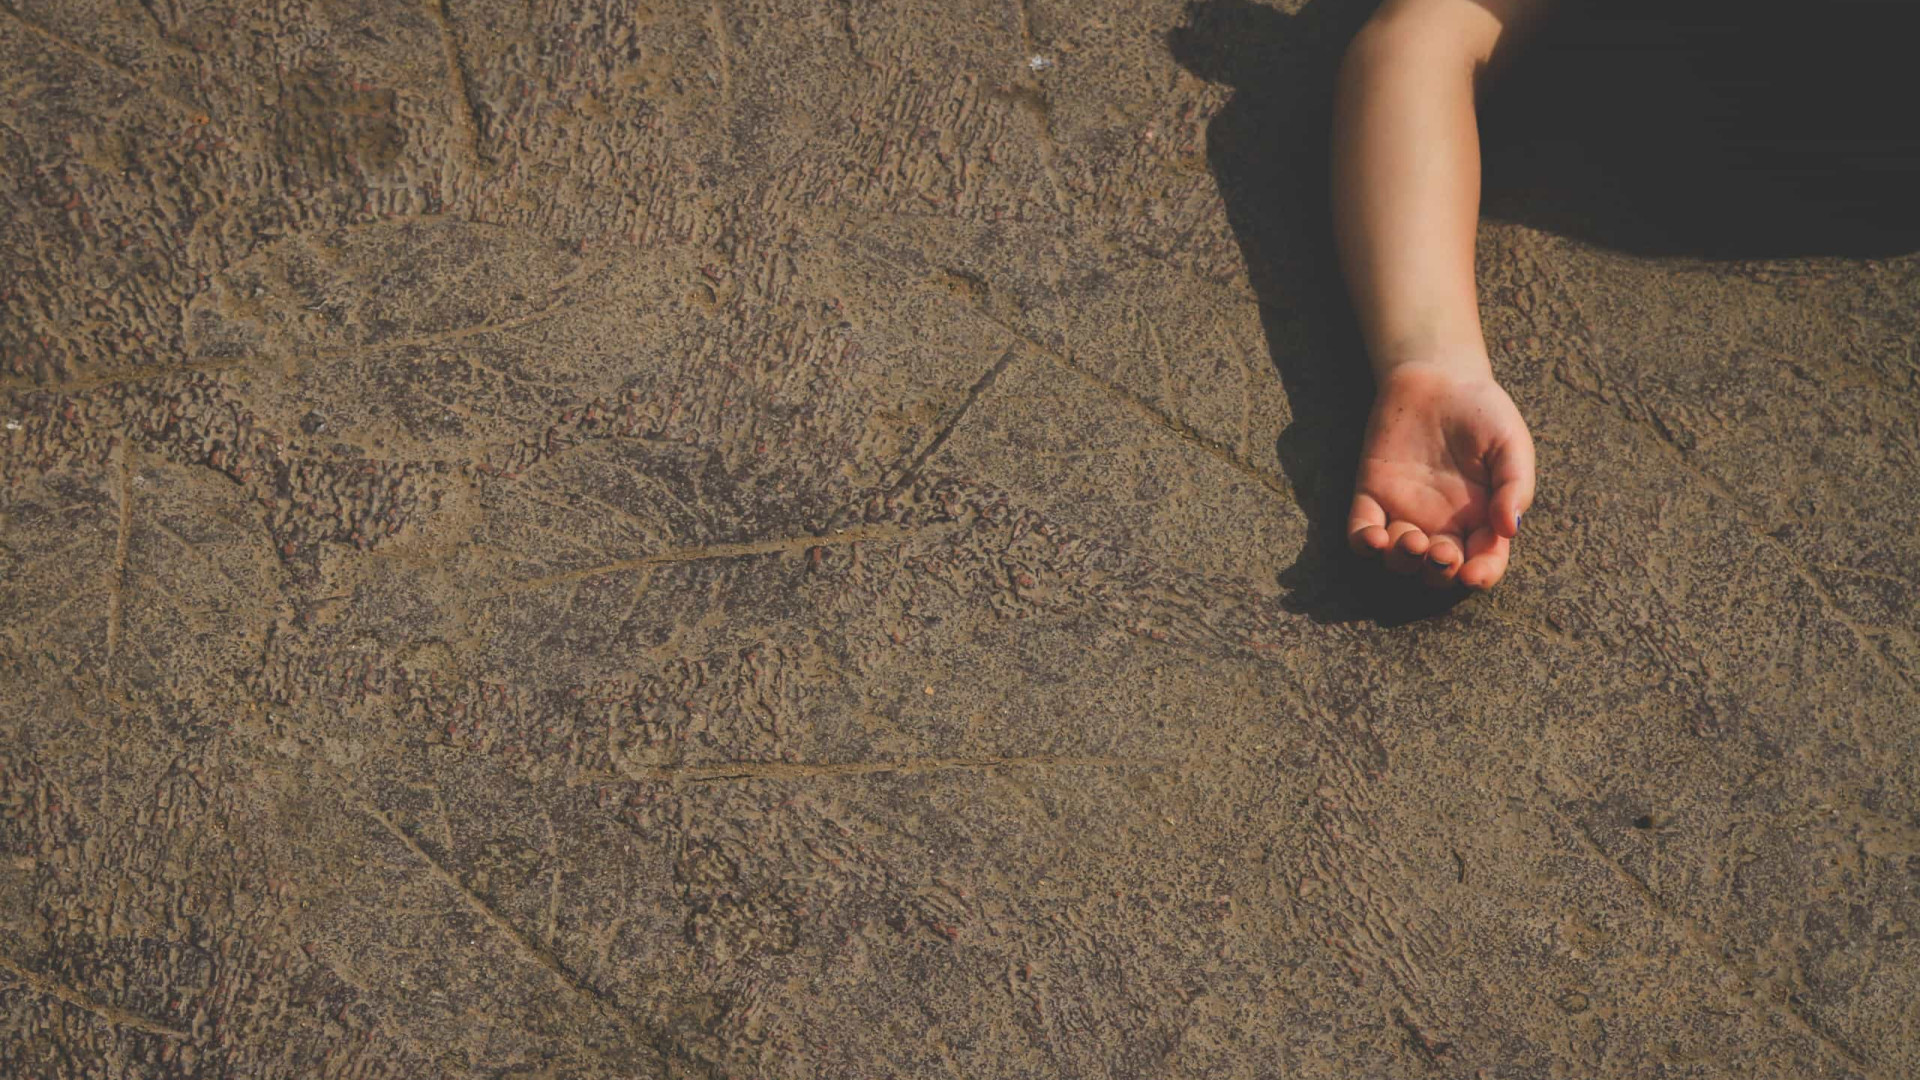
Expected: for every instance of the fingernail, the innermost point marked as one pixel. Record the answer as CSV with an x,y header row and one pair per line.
x,y
1439,562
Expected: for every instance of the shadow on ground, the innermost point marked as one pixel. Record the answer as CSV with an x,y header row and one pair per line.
x,y
1268,151
1712,137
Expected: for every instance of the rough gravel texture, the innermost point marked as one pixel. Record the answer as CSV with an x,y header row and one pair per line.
x,y
576,538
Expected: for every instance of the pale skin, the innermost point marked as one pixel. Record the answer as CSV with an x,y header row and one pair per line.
x,y
1447,467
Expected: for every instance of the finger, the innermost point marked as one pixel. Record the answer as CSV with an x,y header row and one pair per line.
x,y
1367,526
1444,559
1409,548
1512,477
1370,541
1486,559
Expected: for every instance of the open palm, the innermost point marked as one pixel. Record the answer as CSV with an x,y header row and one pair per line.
x,y
1446,471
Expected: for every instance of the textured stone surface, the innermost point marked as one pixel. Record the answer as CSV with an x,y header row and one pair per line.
x,y
774,539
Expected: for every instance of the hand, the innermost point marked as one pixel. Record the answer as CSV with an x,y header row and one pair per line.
x,y
1445,474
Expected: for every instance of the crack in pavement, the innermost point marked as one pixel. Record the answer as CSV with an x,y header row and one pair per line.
x,y
841,538
783,770
61,992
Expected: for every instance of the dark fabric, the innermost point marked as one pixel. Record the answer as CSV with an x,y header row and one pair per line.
x,y
1836,74
1705,113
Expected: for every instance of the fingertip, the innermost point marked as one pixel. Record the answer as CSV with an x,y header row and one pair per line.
x,y
1483,572
1404,554
1444,559
1486,561
1364,515
1368,540
1505,517
1513,482
1440,574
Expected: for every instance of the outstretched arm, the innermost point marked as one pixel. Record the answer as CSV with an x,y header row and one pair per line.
x,y
1448,465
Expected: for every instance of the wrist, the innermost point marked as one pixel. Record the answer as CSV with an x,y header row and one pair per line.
x,y
1464,362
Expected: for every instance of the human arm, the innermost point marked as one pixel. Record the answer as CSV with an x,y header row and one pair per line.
x,y
1448,464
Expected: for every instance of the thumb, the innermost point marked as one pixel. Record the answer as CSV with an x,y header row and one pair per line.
x,y
1512,476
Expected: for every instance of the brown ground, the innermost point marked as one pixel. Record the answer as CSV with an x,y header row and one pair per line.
x,y
769,539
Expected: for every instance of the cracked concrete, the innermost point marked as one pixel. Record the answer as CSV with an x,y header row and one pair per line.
x,y
759,539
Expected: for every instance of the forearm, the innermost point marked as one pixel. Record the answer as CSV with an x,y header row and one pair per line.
x,y
1406,197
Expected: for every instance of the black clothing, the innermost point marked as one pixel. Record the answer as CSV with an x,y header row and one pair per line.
x,y
1717,127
